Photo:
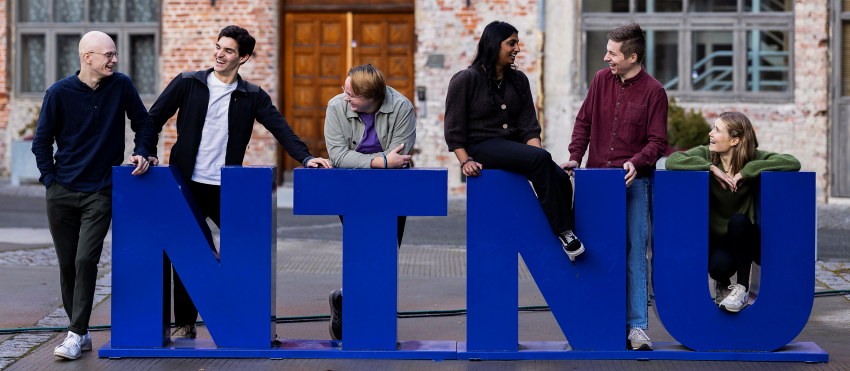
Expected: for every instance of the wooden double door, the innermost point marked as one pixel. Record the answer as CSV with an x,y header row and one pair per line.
x,y
319,49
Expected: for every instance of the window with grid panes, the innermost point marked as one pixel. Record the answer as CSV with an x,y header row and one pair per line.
x,y
48,33
717,50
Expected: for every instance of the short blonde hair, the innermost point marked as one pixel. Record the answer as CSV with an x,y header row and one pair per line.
x,y
367,81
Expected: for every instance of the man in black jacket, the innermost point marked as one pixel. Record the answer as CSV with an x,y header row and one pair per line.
x,y
217,114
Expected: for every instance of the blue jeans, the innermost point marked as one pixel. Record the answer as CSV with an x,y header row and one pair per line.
x,y
638,222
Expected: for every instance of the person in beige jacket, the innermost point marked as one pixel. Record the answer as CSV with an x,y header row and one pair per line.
x,y
369,126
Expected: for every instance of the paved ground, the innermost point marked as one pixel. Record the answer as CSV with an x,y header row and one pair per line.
x,y
431,277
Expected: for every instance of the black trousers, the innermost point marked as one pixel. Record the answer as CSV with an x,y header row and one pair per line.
x,y
735,252
550,182
78,224
208,199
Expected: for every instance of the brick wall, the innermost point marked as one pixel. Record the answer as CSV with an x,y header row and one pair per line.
x,y
189,31
450,29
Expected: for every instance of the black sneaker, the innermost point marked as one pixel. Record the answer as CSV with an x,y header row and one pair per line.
x,y
572,245
335,325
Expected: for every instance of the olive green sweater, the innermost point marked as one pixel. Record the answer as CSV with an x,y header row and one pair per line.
x,y
723,203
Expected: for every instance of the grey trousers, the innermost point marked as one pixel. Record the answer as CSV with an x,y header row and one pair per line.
x,y
78,224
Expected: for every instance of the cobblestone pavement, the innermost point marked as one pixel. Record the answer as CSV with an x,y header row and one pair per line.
x,y
835,275
20,344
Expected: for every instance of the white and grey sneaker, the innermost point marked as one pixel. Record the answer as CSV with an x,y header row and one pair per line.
x,y
73,345
720,292
736,300
638,340
86,343
571,244
184,332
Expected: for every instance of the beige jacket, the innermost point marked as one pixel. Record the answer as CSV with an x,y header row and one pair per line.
x,y
395,123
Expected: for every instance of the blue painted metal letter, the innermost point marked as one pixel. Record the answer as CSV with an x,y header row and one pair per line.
x,y
235,294
588,299
681,264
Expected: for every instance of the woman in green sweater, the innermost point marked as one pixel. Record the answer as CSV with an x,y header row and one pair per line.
x,y
734,239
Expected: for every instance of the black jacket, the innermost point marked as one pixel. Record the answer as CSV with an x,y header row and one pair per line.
x,y
474,108
189,93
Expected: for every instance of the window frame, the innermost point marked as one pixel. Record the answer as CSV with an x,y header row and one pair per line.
x,y
686,23
839,17
50,30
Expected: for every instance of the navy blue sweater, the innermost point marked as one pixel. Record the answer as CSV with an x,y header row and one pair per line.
x,y
88,127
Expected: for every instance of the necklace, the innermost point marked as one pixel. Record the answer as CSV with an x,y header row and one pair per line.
x,y
499,83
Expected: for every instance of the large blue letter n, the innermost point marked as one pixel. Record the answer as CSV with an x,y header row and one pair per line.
x,y
155,216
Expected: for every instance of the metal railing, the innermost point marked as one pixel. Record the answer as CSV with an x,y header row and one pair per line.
x,y
718,77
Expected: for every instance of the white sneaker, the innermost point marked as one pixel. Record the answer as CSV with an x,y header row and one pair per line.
x,y
85,345
73,345
720,293
736,300
638,340
184,332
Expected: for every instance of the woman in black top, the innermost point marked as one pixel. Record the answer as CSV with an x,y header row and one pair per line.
x,y
490,117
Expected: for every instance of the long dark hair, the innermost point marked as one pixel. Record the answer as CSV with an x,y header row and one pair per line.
x,y
487,55
490,44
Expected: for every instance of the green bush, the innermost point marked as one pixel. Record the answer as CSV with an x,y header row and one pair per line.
x,y
685,129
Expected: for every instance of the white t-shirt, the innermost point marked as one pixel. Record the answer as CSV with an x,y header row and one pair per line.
x,y
213,145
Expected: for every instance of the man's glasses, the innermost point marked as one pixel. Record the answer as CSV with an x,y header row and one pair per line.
x,y
352,96
108,55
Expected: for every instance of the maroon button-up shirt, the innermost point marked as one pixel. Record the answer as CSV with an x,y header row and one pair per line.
x,y
622,121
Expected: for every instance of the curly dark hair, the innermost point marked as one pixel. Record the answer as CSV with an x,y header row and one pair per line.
x,y
245,41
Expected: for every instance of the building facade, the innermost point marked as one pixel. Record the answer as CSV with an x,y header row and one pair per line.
x,y
781,62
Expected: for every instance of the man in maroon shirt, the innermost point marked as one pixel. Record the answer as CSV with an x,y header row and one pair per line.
x,y
624,120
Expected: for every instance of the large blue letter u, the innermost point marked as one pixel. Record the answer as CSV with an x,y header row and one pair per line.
x,y
787,264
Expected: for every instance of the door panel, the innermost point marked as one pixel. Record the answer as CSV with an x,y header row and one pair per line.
x,y
315,50
317,47
348,5
387,41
